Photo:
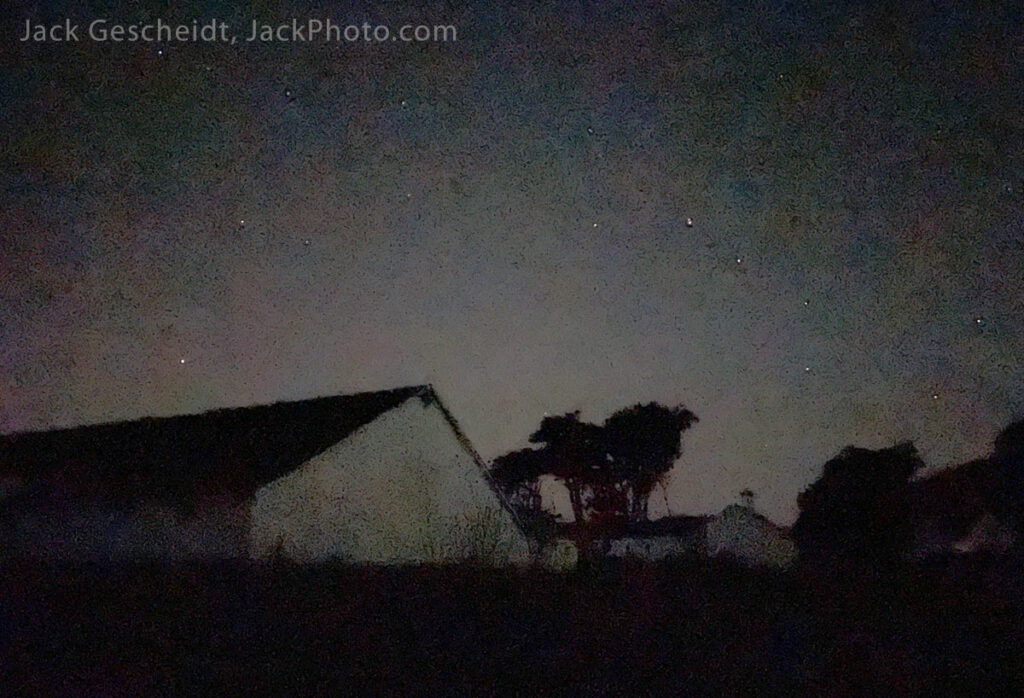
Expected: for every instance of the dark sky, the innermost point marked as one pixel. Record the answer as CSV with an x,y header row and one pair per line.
x,y
505,216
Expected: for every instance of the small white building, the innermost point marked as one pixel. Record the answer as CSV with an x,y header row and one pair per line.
x,y
380,478
988,535
741,533
951,514
652,548
667,538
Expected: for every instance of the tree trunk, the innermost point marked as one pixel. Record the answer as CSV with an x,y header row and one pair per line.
x,y
635,503
576,499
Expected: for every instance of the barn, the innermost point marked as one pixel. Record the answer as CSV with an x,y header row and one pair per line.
x,y
373,478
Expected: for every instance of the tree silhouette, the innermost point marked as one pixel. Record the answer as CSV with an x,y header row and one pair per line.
x,y
517,473
642,443
575,450
609,470
859,507
1006,494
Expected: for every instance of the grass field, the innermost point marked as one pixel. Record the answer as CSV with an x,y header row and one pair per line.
x,y
693,628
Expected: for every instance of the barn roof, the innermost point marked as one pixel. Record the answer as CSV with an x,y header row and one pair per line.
x,y
230,451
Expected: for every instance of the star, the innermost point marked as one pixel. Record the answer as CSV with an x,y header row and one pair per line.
x,y
181,361
739,260
595,225
689,222
979,321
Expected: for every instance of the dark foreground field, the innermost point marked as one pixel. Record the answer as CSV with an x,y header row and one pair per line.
x,y
685,629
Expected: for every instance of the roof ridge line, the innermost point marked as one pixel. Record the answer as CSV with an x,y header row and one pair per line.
x,y
471,450
414,390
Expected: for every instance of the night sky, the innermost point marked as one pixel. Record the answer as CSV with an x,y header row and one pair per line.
x,y
188,226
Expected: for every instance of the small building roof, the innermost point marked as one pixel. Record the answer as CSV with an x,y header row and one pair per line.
x,y
665,526
736,512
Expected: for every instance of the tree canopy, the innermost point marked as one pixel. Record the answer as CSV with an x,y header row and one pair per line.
x,y
609,469
859,507
1007,464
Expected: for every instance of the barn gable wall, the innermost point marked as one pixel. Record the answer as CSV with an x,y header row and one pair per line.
x,y
401,489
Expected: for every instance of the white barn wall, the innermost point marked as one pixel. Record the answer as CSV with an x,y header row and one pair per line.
x,y
401,489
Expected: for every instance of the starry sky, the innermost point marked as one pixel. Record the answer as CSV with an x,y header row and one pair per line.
x,y
805,225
